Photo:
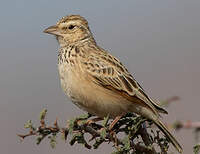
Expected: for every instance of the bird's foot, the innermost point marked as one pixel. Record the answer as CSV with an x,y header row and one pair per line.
x,y
115,121
90,121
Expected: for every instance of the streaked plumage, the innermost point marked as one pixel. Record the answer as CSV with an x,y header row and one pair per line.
x,y
95,80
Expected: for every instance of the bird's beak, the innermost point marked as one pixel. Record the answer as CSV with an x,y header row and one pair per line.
x,y
52,30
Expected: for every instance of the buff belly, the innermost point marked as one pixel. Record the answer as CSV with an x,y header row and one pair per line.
x,y
91,97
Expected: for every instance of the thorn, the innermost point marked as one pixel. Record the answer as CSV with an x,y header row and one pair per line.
x,y
21,136
42,123
56,123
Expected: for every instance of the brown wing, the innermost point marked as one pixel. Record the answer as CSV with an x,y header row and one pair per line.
x,y
109,72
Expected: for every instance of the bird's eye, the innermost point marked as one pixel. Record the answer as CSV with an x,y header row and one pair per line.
x,y
71,27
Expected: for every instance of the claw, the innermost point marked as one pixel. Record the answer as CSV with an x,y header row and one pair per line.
x,y
90,121
115,121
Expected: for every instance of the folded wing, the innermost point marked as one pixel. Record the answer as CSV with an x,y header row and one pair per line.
x,y
108,71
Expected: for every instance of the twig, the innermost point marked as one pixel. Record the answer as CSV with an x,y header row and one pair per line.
x,y
187,125
129,125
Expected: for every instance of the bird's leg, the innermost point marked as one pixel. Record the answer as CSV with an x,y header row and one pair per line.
x,y
93,120
115,121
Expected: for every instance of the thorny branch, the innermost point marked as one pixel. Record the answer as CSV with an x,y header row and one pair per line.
x,y
130,125
131,134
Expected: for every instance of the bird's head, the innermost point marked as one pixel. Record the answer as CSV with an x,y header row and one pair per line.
x,y
70,29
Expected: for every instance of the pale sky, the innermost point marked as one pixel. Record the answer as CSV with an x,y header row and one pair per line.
x,y
158,41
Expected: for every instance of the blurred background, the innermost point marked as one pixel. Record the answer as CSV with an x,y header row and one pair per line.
x,y
158,41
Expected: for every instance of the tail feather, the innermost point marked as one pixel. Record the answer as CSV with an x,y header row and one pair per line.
x,y
164,129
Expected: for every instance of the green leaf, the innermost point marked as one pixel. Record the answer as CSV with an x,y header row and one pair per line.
x,y
84,116
126,142
79,138
196,149
43,114
71,125
53,141
103,133
29,125
105,121
39,139
82,122
121,151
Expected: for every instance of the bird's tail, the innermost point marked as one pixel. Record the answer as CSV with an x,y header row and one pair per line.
x,y
164,129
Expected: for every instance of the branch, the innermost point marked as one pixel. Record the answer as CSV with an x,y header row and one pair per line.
x,y
187,125
131,134
130,126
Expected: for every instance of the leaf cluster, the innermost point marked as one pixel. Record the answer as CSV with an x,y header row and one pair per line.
x,y
130,135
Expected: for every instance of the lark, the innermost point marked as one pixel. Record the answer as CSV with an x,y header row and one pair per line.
x,y
95,80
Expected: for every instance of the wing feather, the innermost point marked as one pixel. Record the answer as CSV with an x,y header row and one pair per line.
x,y
109,72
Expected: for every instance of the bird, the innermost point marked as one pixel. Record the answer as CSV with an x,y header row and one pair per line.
x,y
96,81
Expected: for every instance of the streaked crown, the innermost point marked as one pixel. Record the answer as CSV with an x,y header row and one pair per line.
x,y
70,29
73,19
